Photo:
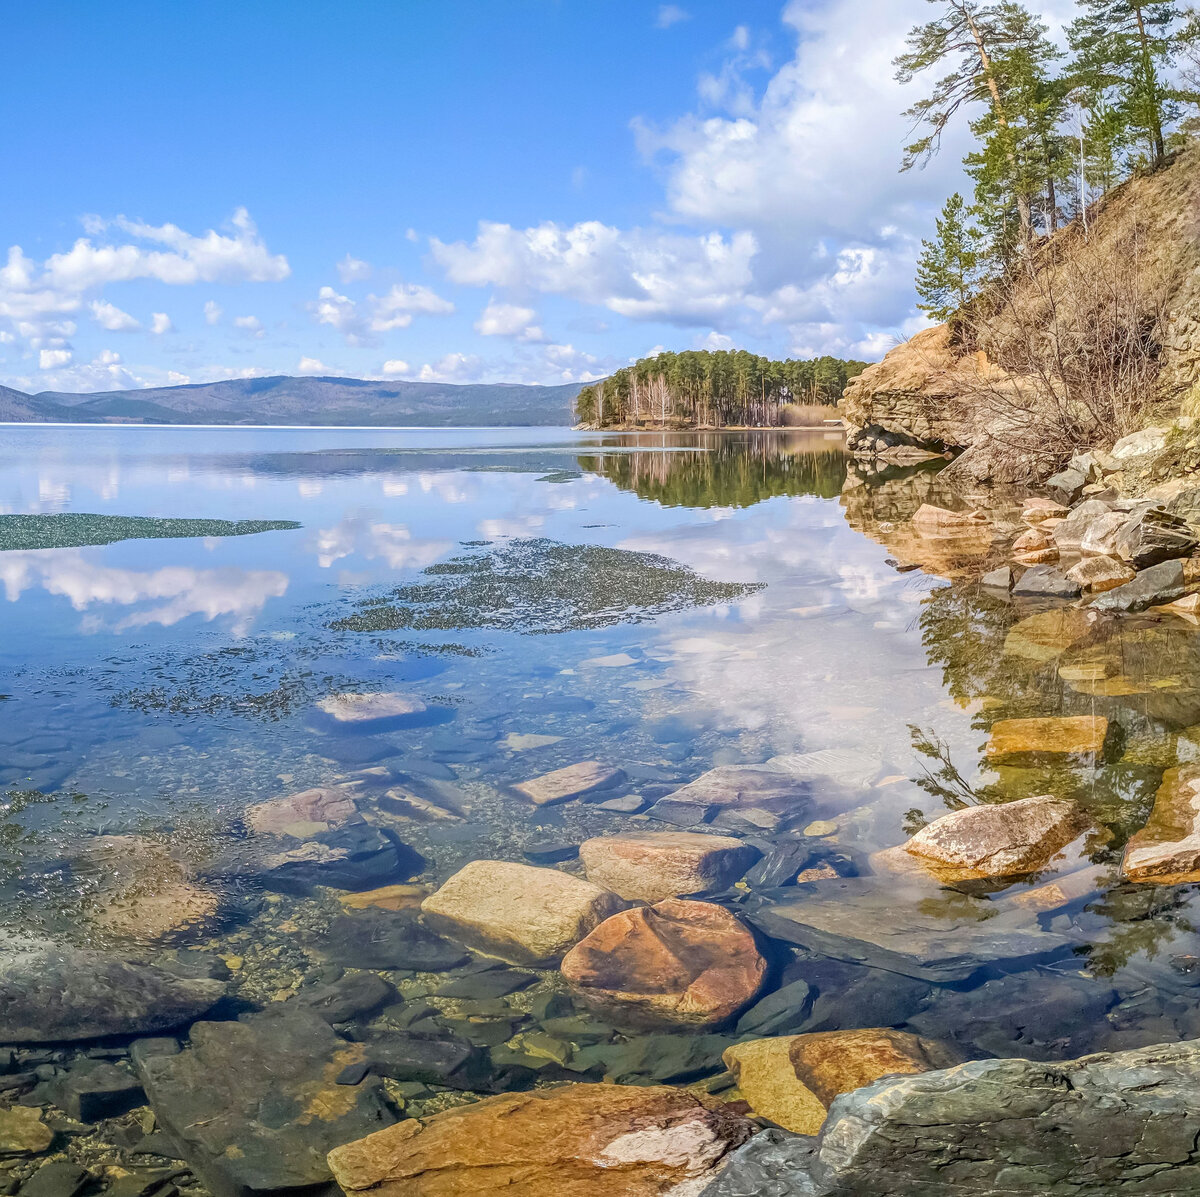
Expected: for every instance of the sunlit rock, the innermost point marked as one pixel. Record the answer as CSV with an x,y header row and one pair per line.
x,y
653,865
1046,635
1034,546
1100,536
359,709
573,781
730,794
301,815
522,914
1162,583
1020,740
675,963
1152,536
1069,534
1167,850
1096,574
1037,510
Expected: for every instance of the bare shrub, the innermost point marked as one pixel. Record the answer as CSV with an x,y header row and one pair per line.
x,y
806,415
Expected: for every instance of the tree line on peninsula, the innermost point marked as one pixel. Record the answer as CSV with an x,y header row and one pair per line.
x,y
715,389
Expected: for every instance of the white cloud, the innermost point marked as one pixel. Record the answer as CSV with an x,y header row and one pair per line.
x,y
213,312
395,368
353,270
251,325
670,14
508,320
454,367
714,340
397,308
48,359
161,323
112,318
312,365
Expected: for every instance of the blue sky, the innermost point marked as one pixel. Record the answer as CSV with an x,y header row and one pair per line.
x,y
458,190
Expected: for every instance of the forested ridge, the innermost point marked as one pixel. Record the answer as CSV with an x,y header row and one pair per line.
x,y
713,389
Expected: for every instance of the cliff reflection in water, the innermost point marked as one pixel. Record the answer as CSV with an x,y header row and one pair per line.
x,y
724,469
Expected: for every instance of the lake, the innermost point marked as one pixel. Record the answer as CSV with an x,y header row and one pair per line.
x,y
521,601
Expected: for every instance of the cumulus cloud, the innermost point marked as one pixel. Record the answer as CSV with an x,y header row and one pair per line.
x,y
395,368
251,325
312,365
360,323
670,14
213,312
110,317
48,359
454,367
353,270
160,323
508,320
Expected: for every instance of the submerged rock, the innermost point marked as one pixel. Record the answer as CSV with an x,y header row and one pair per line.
x,y
1167,850
1161,583
22,1131
51,994
522,914
929,520
359,710
793,1079
998,839
254,1105
653,865
386,939
302,815
675,963
1016,741
574,1141
730,795
573,781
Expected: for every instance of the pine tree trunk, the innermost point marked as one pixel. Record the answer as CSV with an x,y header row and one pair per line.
x,y
1159,149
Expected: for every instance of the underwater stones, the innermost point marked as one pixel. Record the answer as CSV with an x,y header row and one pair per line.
x,y
301,815
360,710
1066,485
578,1140
784,1009
865,921
1187,607
730,795
1046,635
385,939
929,520
1093,575
1001,578
1044,581
1154,535
522,914
793,1079
94,1089
1062,891
254,1105
1167,850
1016,741
447,1060
354,996
1035,545
653,865
524,741
1162,583
1038,510
675,963
573,781
22,1131
52,994
998,839
386,897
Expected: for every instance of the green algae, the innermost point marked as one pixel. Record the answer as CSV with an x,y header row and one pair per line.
x,y
542,586
74,530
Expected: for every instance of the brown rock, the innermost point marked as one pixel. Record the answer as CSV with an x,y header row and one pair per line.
x,y
1038,510
928,520
387,897
22,1131
1187,607
522,914
570,1141
792,1080
678,962
1034,547
560,785
1046,635
739,796
1017,740
1062,891
1167,850
653,865
998,839
301,815
1095,574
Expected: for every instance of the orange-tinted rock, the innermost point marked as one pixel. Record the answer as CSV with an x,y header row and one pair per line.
x,y
387,897
1167,850
301,815
1094,575
561,785
1038,510
678,962
1028,740
929,520
571,1141
653,865
1034,546
1003,839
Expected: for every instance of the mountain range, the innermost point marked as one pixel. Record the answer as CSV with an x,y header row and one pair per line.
x,y
302,401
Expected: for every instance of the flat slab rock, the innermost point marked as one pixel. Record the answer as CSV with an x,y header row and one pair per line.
x,y
1030,740
1122,1122
580,1140
51,994
653,865
938,939
360,709
254,1105
729,794
573,781
1167,850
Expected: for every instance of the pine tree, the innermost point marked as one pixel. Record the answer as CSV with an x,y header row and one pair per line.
x,y
948,270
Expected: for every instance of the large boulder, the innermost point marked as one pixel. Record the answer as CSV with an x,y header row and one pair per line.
x,y
740,797
653,865
1094,575
793,1079
1100,536
302,815
573,781
1162,583
52,994
674,963
998,839
1069,534
254,1105
1052,737
573,1141
1124,1122
1044,581
1167,850
522,914
1152,536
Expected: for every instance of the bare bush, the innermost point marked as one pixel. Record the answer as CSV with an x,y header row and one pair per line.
x,y
806,415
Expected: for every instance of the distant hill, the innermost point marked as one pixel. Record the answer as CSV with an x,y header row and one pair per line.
x,y
303,401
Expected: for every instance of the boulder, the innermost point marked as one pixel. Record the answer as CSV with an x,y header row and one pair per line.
x,y
792,1080
52,994
998,839
1066,485
1161,583
1167,850
362,710
301,815
1121,1122
1001,578
573,1141
353,996
1037,510
22,1131
1016,741
1140,444
94,1089
1069,534
1044,581
674,963
1100,536
254,1105
1152,536
653,865
386,939
737,796
929,520
1034,546
1094,575
522,914
561,785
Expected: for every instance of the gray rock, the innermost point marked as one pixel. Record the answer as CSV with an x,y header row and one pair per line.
x,y
1152,536
354,996
95,1089
254,1105
1066,485
773,1164
389,939
1069,535
1123,1122
783,1012
1045,581
939,939
51,994
58,1178
999,579
1162,583
731,792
